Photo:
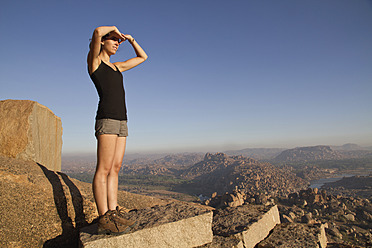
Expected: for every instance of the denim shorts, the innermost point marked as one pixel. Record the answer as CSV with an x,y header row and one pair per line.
x,y
111,126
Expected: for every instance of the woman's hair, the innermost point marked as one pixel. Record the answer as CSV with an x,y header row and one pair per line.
x,y
102,39
105,36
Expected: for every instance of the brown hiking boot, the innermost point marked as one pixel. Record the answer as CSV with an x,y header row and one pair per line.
x,y
122,211
111,223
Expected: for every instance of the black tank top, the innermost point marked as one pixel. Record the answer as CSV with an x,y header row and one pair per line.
x,y
110,88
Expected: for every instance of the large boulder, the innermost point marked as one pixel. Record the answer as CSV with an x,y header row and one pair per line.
x,y
30,131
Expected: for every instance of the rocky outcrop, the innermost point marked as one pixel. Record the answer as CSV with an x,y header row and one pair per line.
x,y
30,131
233,199
173,225
221,173
238,198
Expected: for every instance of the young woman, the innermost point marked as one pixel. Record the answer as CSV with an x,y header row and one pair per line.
x,y
111,122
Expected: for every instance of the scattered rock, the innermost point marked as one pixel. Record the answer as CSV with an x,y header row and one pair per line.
x,y
234,199
307,218
295,235
285,219
224,242
349,217
333,231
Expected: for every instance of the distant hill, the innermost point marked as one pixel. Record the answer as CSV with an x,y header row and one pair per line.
x,y
318,153
222,173
353,151
348,147
256,153
186,159
168,165
155,164
310,153
178,159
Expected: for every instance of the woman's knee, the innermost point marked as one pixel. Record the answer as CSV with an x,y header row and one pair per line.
x,y
103,170
116,167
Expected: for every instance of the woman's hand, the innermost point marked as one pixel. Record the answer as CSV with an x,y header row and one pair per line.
x,y
116,33
133,62
128,37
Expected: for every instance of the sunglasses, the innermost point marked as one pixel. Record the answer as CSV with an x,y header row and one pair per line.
x,y
114,39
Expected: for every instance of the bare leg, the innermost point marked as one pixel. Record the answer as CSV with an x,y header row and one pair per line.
x,y
106,148
113,177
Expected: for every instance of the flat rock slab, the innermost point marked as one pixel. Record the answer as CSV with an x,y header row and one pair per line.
x,y
173,225
248,223
296,235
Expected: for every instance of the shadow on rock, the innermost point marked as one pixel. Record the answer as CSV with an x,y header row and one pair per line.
x,y
70,233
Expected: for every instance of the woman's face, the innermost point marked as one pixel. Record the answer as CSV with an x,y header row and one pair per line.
x,y
111,44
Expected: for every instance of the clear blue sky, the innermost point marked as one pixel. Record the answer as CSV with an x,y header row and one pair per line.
x,y
220,74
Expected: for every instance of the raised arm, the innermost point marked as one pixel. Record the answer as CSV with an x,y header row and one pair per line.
x,y
95,45
133,62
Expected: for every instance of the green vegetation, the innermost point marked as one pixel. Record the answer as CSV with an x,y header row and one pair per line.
x,y
153,185
150,181
136,181
84,177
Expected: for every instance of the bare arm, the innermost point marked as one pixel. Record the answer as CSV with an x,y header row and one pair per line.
x,y
95,45
133,62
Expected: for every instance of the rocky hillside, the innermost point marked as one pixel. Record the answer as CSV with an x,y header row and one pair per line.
x,y
356,186
311,153
44,208
348,219
222,173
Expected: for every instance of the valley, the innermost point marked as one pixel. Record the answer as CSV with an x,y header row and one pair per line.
x,y
231,181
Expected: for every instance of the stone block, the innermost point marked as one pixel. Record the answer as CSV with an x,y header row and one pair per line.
x,y
296,235
248,223
30,131
172,225
261,229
